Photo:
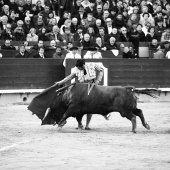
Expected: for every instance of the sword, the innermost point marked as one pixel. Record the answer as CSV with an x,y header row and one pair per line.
x,y
90,88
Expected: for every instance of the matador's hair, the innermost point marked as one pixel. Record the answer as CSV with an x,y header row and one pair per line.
x,y
80,63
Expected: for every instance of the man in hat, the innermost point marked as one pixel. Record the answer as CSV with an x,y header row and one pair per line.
x,y
73,54
92,53
85,72
109,26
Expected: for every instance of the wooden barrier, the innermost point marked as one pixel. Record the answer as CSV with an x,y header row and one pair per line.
x,y
141,73
30,73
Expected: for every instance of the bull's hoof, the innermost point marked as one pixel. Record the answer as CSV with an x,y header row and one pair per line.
x,y
87,128
80,127
147,126
134,131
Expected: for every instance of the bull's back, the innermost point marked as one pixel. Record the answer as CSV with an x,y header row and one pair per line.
x,y
102,99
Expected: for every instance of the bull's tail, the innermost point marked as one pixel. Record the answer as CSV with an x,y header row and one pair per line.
x,y
151,92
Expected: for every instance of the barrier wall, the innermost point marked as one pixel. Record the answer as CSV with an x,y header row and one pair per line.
x,y
42,73
30,73
141,73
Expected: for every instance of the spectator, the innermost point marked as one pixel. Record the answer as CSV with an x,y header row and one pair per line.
x,y
85,3
40,53
97,25
166,46
12,5
111,45
154,45
72,54
81,15
166,35
58,54
104,37
131,53
90,8
55,35
39,6
98,14
86,43
151,35
19,34
69,46
64,5
90,20
39,24
74,25
75,8
99,45
91,32
42,35
124,35
145,19
51,23
27,25
78,36
31,36
12,18
115,34
7,33
28,5
67,36
109,26
52,44
133,19
22,52
160,53
5,11
119,21
63,19
4,22
7,45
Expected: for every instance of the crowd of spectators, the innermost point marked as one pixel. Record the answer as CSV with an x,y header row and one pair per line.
x,y
93,23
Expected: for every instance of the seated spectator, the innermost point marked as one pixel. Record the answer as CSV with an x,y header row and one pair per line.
x,y
63,19
115,34
7,45
81,14
141,34
50,24
7,33
154,45
166,45
43,35
91,8
133,19
67,36
68,47
119,21
165,35
91,32
55,35
12,18
31,36
67,23
85,3
27,46
39,24
90,20
146,19
78,36
167,55
40,53
27,25
124,35
151,35
98,13
131,53
74,25
159,28
145,28
97,25
99,45
19,34
86,43
108,26
5,11
111,44
58,54
52,45
73,54
92,53
102,35
3,22
160,53
22,52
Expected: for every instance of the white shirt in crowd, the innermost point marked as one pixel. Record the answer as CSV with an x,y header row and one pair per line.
x,y
71,56
167,55
89,55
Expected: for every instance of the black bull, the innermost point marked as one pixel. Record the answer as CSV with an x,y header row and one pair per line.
x,y
74,101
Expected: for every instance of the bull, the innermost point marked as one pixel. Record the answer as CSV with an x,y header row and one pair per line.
x,y
74,101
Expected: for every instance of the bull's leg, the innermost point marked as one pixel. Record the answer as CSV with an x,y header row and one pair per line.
x,y
138,112
131,117
89,116
69,112
79,120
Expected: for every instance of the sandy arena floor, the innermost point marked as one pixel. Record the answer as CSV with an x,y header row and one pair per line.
x,y
110,145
